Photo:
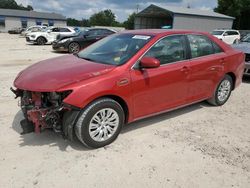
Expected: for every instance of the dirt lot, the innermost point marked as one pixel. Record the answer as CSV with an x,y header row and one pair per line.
x,y
197,146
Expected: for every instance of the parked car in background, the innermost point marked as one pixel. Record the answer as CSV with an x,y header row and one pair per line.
x,y
244,46
16,30
62,36
227,35
31,29
125,77
74,44
244,33
48,35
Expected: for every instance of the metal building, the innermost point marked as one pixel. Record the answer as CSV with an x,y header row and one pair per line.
x,y
181,18
10,18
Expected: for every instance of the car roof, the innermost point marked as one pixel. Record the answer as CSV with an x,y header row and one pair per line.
x,y
155,32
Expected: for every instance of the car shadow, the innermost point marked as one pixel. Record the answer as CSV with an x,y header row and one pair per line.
x,y
59,52
49,137
34,44
163,117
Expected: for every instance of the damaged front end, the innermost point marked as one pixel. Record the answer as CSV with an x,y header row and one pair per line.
x,y
44,110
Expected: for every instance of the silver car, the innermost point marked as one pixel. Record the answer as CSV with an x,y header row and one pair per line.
x,y
244,46
31,29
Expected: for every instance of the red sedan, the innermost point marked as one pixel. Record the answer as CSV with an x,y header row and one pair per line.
x,y
123,78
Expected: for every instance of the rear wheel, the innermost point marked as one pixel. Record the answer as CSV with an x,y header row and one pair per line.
x,y
100,123
222,92
41,41
74,47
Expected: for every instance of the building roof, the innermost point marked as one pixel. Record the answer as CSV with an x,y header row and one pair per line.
x,y
31,14
181,11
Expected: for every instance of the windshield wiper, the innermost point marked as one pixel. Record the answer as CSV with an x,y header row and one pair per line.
x,y
93,60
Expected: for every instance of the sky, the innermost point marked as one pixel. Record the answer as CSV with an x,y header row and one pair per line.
x,y
122,8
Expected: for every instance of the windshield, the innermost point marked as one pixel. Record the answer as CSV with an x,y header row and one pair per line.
x,y
246,38
217,32
116,49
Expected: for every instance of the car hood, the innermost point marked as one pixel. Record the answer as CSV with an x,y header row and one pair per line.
x,y
60,37
243,46
53,74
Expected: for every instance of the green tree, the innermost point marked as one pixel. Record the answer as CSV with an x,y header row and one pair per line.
x,y
73,22
8,4
29,7
240,9
85,23
11,4
103,18
130,22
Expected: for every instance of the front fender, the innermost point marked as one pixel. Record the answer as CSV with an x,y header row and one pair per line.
x,y
85,93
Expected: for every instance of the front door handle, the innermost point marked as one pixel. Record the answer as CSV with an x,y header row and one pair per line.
x,y
222,61
185,69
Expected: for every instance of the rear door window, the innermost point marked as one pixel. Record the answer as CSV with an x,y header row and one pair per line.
x,y
55,29
64,30
93,32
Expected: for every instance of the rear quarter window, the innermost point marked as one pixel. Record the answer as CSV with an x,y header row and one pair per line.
x,y
64,30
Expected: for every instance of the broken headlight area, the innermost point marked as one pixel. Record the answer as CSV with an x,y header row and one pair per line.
x,y
42,110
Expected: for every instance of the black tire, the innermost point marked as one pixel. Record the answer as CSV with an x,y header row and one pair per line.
x,y
68,122
236,41
216,100
74,47
41,41
82,127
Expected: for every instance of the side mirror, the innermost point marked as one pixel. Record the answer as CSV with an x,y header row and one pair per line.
x,y
149,62
225,34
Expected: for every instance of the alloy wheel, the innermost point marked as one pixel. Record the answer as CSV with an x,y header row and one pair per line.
x,y
74,47
103,124
224,90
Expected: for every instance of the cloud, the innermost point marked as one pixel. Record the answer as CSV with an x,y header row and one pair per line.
x,y
84,9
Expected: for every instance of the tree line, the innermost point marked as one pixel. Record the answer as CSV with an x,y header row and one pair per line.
x,y
103,18
12,4
240,9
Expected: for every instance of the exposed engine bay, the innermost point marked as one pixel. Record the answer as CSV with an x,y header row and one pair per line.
x,y
42,110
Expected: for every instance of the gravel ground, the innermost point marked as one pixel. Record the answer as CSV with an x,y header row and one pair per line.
x,y
196,146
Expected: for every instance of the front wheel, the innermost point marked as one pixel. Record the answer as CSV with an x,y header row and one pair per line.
x,y
222,92
74,47
100,123
41,41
